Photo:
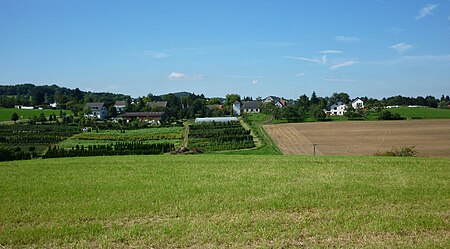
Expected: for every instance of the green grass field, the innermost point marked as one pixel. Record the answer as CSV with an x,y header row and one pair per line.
x,y
225,201
6,113
425,112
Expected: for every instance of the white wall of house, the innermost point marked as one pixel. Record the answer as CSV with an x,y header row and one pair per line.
x,y
252,110
237,108
358,104
338,109
120,108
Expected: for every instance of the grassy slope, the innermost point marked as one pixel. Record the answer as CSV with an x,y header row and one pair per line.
x,y
225,201
6,113
265,144
426,113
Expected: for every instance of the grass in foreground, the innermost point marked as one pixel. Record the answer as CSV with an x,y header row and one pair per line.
x,y
225,201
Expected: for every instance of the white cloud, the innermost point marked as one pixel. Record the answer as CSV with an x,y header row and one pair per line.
x,y
159,55
401,47
343,38
254,82
182,76
321,60
330,52
150,54
426,11
343,64
300,74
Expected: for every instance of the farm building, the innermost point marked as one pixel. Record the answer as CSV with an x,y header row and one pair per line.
x,y
217,119
24,107
96,110
251,107
148,117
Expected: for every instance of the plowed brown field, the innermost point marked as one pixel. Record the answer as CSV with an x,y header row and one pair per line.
x,y
431,137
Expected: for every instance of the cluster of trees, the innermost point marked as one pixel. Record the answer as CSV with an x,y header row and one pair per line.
x,y
69,99
7,154
119,148
304,107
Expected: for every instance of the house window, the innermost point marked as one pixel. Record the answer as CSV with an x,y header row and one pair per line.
x,y
335,108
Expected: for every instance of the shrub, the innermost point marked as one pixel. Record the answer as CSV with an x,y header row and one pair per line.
x,y
405,151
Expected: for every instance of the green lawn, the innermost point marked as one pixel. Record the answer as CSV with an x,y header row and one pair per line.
x,y
425,112
6,113
225,201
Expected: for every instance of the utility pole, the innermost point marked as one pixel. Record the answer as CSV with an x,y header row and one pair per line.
x,y
314,148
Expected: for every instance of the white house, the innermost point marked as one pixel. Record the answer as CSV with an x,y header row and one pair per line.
x,y
96,110
357,103
237,108
337,109
120,106
251,107
53,105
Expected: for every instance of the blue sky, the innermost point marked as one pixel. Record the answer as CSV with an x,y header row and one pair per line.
x,y
372,48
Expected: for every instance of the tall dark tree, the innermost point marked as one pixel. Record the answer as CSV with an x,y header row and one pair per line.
x,y
14,117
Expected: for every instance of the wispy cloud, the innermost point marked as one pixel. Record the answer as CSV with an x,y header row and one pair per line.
x,y
182,76
255,82
343,64
343,38
300,74
321,60
150,54
401,47
331,52
426,11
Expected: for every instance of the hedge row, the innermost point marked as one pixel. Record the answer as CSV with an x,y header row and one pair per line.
x,y
119,148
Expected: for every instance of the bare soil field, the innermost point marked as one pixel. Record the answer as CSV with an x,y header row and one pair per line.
x,y
358,138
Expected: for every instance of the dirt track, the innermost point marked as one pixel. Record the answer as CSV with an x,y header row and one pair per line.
x,y
431,137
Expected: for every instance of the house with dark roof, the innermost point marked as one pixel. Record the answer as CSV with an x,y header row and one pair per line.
x,y
120,106
148,117
336,109
251,106
279,102
358,103
96,110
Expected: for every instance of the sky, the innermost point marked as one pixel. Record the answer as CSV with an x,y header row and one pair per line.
x,y
374,48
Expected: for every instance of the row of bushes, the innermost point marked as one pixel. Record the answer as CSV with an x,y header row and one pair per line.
x,y
119,148
219,136
7,154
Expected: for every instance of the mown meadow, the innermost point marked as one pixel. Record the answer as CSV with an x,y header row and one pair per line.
x,y
225,201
